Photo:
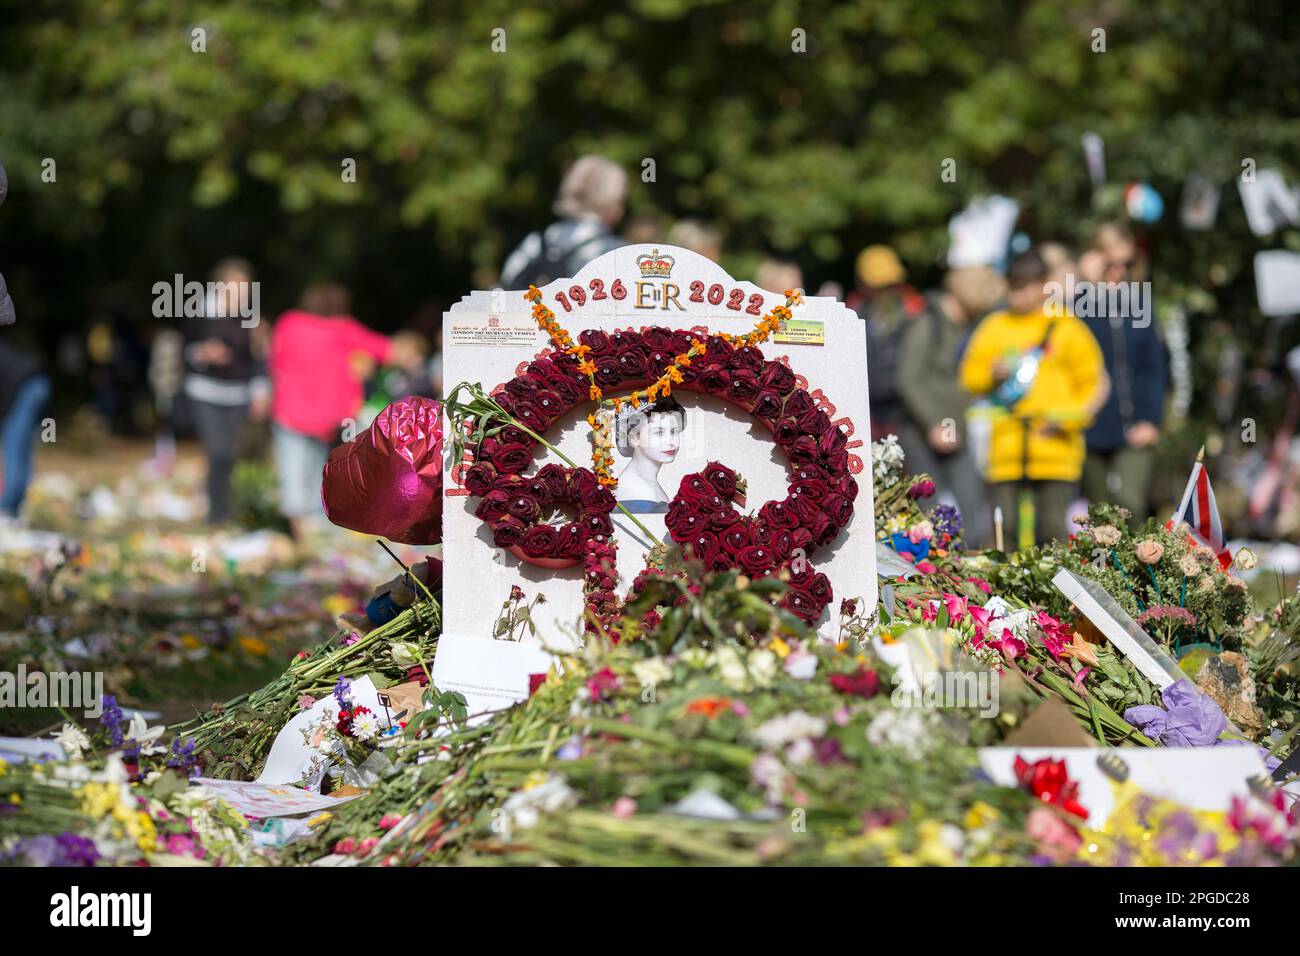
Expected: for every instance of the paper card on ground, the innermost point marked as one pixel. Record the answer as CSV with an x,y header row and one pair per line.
x,y
291,756
263,800
1200,778
1277,281
492,675
19,749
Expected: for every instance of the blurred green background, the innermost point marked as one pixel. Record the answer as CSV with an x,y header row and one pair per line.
x,y
168,158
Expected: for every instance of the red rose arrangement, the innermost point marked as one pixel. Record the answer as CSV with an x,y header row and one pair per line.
x,y
701,517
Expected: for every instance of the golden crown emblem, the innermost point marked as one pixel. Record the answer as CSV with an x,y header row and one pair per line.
x,y
655,266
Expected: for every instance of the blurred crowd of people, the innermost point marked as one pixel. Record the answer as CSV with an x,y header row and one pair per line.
x,y
1015,408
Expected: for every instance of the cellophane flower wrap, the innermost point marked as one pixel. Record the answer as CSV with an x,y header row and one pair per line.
x,y
388,480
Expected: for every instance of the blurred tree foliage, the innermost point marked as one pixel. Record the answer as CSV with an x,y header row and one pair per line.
x,y
167,157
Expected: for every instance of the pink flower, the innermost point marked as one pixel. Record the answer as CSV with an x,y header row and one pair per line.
x,y
389,820
345,846
306,701
956,605
366,845
1010,645
929,613
602,684
624,807
926,567
1053,835
981,584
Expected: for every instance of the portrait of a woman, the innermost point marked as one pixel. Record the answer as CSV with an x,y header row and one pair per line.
x,y
651,437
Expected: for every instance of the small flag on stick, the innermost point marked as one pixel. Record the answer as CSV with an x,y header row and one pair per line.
x,y
1201,514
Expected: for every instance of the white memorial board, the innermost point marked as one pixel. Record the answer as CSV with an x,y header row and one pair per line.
x,y
490,337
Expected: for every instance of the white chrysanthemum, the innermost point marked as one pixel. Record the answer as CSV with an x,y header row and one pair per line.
x,y
652,671
787,728
73,740
906,729
365,727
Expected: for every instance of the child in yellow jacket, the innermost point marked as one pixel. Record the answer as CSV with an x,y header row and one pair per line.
x,y
1044,372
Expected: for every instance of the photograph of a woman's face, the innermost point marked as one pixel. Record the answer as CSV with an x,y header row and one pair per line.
x,y
651,437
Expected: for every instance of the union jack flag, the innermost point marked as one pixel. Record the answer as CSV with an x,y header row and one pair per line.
x,y
1201,513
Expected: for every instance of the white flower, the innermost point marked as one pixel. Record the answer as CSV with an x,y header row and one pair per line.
x,y
763,665
904,728
144,735
73,740
405,654
800,752
787,728
652,671
800,664
770,774
524,808
365,727
731,668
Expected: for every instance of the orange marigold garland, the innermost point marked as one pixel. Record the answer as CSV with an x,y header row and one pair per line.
x,y
602,423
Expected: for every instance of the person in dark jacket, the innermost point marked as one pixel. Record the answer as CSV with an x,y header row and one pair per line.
x,y
591,201
24,390
225,379
1121,442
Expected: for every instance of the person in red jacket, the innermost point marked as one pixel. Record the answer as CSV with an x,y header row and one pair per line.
x,y
319,359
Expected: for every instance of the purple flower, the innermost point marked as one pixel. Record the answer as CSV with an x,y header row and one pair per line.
x,y
946,520
342,692
111,720
182,756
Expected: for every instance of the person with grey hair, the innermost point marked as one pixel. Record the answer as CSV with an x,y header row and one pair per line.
x,y
591,201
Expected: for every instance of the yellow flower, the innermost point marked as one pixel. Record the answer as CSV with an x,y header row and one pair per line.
x,y
779,647
254,645
980,814
595,393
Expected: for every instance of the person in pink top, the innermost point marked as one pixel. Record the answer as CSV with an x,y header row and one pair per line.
x,y
319,359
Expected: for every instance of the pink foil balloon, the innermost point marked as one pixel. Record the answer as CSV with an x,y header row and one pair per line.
x,y
388,480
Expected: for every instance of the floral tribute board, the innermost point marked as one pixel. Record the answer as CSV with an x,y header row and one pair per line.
x,y
649,403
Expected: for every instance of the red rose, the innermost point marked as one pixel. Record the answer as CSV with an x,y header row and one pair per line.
x,y
832,440
767,405
756,560
743,387
522,388
493,506
702,546
696,488
814,422
861,683
599,498
632,365
582,483
781,541
511,459
549,404
820,588
716,381
804,450
798,403
524,507
721,478
802,605
839,509
747,358
684,522
596,340
722,518
837,462
597,523
659,339
507,532
479,478
608,373
813,488
818,527
786,432
540,541
847,486
736,537
570,544
778,377
551,484
510,435
804,508
777,514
